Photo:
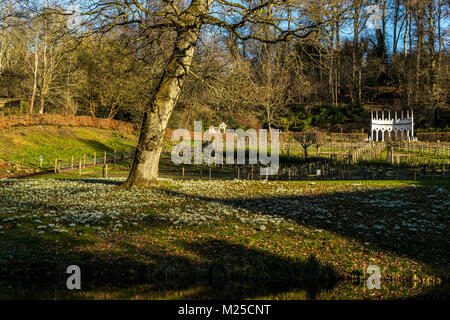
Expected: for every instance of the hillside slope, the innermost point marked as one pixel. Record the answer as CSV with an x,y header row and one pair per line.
x,y
21,147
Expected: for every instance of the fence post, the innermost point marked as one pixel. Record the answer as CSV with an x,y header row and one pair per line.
x,y
95,158
79,168
105,171
71,163
104,158
56,164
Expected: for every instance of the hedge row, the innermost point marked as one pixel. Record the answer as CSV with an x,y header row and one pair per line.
x,y
433,136
72,121
289,137
284,137
348,137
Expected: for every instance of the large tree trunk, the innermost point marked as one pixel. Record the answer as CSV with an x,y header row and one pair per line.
x,y
35,71
45,75
146,160
381,36
405,36
406,65
41,106
331,66
338,62
395,35
420,42
433,72
439,57
269,122
355,58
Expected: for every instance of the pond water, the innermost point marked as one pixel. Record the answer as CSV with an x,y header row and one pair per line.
x,y
232,290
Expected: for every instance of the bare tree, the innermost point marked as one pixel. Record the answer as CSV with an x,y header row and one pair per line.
x,y
309,138
186,21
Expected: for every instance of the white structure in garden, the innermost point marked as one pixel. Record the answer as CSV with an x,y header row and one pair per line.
x,y
392,125
220,129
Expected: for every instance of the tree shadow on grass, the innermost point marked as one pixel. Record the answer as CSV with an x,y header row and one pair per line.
x,y
97,145
391,219
366,216
94,181
227,271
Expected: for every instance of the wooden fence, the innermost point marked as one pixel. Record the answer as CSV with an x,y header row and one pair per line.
x,y
89,160
317,170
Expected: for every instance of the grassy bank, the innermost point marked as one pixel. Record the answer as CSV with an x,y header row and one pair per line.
x,y
25,145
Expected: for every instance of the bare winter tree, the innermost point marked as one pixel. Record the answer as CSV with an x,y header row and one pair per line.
x,y
309,138
186,20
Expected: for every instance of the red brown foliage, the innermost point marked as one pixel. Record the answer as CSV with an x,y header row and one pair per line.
x,y
72,121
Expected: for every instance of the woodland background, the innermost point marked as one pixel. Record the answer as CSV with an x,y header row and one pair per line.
x,y
331,79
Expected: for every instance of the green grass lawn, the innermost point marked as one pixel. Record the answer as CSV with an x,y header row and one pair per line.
x,y
224,239
26,144
210,239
